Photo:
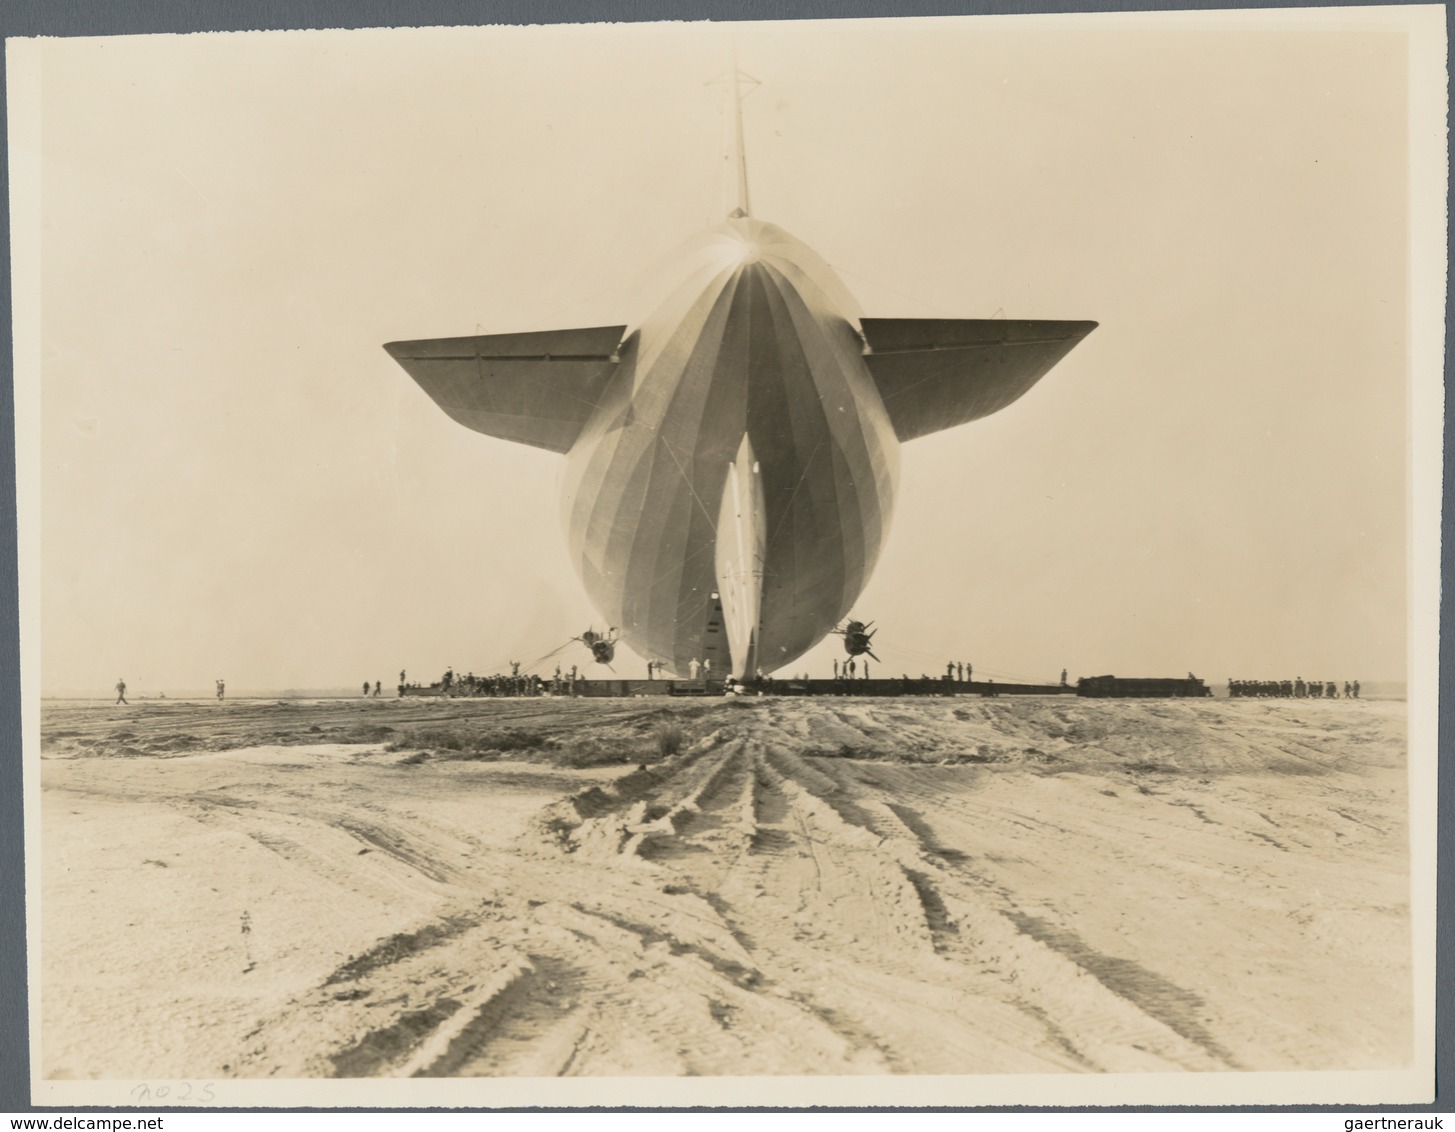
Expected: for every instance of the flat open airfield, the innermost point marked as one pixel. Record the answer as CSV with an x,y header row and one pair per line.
x,y
494,887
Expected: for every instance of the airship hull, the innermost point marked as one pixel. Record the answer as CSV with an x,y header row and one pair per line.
x,y
754,349
758,350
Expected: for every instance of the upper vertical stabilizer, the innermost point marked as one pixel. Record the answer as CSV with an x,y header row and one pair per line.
x,y
744,207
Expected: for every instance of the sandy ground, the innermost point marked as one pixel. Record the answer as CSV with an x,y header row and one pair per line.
x,y
527,887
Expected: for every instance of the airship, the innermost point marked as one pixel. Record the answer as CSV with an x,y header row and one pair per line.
x,y
731,462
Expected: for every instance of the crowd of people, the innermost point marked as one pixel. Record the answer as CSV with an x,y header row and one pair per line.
x,y
512,683
564,682
1293,689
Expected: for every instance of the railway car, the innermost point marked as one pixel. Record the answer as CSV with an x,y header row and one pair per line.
x,y
1140,687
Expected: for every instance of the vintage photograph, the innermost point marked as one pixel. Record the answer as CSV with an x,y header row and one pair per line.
x,y
861,562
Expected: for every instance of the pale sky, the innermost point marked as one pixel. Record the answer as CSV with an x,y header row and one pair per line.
x,y
238,482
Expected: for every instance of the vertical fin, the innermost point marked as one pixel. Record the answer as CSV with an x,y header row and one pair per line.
x,y
742,537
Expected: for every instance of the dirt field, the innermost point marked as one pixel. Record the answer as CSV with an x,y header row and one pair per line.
x,y
537,887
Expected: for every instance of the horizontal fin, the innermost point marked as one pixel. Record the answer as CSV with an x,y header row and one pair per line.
x,y
936,373
537,388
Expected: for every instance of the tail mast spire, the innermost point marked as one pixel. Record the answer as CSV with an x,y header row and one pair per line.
x,y
740,152
745,207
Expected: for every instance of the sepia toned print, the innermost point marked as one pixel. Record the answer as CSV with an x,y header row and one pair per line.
x,y
677,719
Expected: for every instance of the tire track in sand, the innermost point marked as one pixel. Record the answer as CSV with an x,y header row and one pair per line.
x,y
743,908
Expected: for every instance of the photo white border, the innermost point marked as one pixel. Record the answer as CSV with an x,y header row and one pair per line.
x,y
1428,156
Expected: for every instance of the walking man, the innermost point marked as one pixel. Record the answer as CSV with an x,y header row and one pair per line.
x,y
120,690
221,687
